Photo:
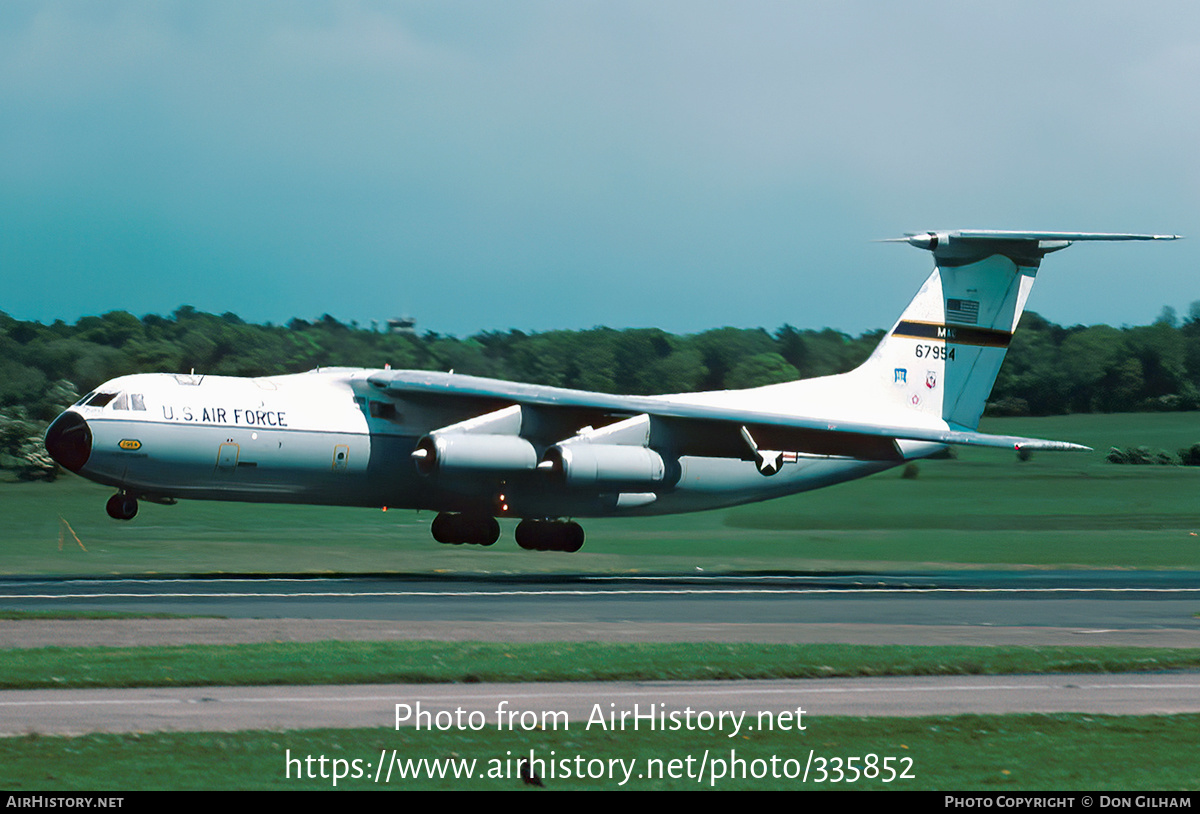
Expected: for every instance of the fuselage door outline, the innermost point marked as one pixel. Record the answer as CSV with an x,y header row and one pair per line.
x,y
341,457
227,455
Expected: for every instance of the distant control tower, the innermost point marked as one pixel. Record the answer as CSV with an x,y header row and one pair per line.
x,y
402,325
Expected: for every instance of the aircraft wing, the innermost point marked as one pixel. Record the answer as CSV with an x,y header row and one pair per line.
x,y
819,434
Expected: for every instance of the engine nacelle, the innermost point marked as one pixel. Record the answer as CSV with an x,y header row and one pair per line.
x,y
473,453
599,464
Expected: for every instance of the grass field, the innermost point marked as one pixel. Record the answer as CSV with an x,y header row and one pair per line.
x,y
983,510
977,752
473,662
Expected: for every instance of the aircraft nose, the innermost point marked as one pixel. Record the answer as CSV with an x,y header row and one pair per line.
x,y
69,441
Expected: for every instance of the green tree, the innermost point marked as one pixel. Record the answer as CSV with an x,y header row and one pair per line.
x,y
761,369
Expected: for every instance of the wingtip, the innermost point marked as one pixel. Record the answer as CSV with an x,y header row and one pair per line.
x,y
1036,445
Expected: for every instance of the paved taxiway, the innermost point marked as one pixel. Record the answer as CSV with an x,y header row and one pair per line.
x,y
277,708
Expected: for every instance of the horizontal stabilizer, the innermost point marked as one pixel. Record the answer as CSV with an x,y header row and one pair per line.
x,y
923,239
1026,248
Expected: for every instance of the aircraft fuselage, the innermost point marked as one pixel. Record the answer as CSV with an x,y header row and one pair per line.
x,y
325,437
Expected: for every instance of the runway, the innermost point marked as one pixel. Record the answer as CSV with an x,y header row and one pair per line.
x,y
1104,600
1021,608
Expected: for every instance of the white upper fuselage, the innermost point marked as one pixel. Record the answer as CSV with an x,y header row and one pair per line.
x,y
328,437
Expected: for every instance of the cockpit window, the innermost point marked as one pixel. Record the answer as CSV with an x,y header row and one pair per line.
x,y
100,399
83,400
129,401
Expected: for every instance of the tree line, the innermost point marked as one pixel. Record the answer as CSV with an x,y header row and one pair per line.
x,y
1050,369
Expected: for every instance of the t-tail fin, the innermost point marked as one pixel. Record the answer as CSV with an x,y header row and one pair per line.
x,y
942,356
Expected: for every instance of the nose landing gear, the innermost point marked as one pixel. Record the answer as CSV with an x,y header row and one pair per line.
x,y
122,506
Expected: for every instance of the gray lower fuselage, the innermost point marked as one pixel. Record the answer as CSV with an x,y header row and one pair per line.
x,y
160,461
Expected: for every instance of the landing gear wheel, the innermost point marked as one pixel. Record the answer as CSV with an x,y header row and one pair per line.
x,y
572,537
456,529
444,528
489,531
549,535
529,534
122,506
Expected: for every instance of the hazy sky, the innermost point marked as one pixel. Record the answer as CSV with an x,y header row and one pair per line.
x,y
564,164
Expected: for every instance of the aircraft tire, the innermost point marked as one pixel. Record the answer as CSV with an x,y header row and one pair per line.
x,y
122,506
549,535
572,537
527,534
443,528
489,531
453,528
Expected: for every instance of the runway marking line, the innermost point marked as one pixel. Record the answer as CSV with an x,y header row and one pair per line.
x,y
595,594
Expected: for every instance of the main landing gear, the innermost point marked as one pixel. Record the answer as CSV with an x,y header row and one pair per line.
x,y
549,535
122,506
457,529
532,535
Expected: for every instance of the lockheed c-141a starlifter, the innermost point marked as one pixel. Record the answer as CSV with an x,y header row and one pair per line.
x,y
475,449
